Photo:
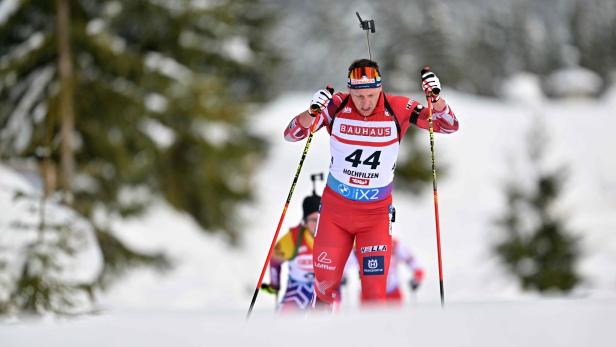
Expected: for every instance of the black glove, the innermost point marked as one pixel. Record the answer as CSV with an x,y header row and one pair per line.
x,y
414,284
269,288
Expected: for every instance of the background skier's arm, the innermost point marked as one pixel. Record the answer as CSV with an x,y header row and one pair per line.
x,y
282,252
275,267
405,255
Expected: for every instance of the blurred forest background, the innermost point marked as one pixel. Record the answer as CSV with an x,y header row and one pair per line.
x,y
107,104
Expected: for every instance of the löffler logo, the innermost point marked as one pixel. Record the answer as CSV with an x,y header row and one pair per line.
x,y
323,261
323,258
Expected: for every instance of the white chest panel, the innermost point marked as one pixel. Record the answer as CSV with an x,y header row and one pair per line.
x,y
363,153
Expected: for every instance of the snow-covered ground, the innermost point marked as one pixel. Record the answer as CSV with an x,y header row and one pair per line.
x,y
554,323
205,298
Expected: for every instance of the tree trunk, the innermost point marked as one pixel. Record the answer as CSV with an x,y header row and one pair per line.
x,y
67,113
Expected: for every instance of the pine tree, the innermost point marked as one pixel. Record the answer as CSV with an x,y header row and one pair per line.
x,y
160,93
47,239
537,247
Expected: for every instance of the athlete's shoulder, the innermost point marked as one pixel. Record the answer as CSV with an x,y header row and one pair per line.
x,y
400,103
339,97
295,230
286,244
337,100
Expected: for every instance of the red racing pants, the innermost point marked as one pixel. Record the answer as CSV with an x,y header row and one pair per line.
x,y
342,223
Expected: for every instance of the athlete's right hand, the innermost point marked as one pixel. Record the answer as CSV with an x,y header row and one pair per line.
x,y
319,101
269,288
414,284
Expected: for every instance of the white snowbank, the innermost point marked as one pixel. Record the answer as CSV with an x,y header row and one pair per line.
x,y
523,87
574,82
83,266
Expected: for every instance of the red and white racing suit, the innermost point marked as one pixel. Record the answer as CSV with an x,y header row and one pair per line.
x,y
357,204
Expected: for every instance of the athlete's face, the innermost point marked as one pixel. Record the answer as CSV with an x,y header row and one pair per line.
x,y
311,221
365,100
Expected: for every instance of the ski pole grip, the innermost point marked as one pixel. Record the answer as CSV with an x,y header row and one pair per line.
x,y
314,108
425,69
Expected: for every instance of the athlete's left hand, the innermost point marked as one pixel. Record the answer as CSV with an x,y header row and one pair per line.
x,y
319,101
418,276
431,85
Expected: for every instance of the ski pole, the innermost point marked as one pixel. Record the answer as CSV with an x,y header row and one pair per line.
x,y
436,218
316,110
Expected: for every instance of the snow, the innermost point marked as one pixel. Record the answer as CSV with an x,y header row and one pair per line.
x,y
198,282
237,48
7,8
560,323
18,128
112,8
82,266
168,67
156,102
215,133
162,135
204,300
21,51
523,87
574,82
95,26
202,4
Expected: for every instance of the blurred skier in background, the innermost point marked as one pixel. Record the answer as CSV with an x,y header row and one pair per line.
x,y
295,248
400,254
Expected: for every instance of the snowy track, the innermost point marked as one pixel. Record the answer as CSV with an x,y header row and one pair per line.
x,y
573,322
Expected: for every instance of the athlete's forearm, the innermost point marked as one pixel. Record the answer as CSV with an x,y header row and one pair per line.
x,y
296,130
305,119
299,127
443,118
440,104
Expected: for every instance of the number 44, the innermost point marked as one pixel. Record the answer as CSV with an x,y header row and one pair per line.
x,y
355,159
